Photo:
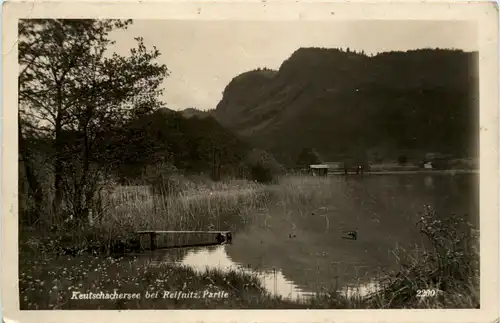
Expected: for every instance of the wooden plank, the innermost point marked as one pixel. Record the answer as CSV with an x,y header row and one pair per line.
x,y
203,244
160,239
152,237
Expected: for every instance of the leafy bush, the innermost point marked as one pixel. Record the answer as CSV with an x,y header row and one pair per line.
x,y
261,174
261,166
449,265
308,156
454,242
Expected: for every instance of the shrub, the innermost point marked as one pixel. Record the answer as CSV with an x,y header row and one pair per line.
x,y
449,265
261,166
261,174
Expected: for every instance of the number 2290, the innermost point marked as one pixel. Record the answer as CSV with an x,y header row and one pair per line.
x,y
426,292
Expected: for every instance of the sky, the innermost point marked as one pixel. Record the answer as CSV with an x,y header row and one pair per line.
x,y
204,56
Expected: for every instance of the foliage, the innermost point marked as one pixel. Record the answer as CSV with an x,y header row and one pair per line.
x,y
261,166
261,174
449,266
76,95
308,156
192,145
174,203
454,242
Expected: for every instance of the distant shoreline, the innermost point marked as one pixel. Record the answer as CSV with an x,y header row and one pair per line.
x,y
406,172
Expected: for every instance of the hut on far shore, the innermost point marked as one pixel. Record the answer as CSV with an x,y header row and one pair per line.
x,y
319,170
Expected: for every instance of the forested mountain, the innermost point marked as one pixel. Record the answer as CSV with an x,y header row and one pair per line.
x,y
192,112
193,144
348,104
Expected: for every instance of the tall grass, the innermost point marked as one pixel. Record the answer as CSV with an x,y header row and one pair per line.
x,y
192,208
200,205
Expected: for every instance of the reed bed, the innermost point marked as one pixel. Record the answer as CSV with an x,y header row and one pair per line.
x,y
193,209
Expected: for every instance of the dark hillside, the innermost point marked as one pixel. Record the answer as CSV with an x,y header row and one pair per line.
x,y
192,112
193,145
350,104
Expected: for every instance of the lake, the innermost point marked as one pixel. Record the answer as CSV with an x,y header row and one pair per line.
x,y
299,251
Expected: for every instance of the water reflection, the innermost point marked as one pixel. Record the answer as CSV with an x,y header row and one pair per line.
x,y
215,257
275,282
429,182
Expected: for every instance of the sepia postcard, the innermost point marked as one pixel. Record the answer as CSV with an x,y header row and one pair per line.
x,y
250,161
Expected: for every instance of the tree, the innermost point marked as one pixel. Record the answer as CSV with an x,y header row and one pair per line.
x,y
73,92
192,145
308,156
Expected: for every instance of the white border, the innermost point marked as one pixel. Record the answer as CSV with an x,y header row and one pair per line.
x,y
483,13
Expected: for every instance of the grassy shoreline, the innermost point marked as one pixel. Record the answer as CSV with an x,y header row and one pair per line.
x,y
44,255
408,172
60,280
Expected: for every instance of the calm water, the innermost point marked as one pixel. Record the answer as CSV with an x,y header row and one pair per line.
x,y
298,253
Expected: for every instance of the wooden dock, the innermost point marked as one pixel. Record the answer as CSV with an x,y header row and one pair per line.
x,y
158,239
